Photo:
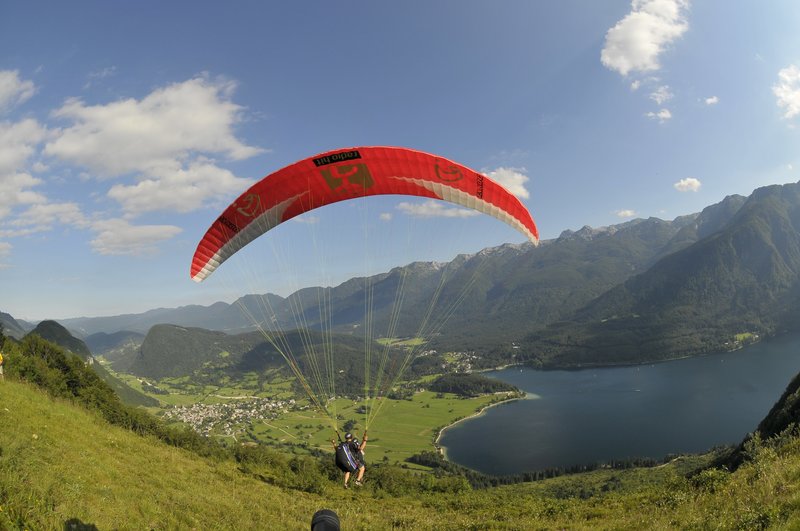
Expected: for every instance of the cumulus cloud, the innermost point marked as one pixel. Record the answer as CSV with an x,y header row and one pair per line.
x,y
162,148
153,134
625,213
787,91
13,90
690,184
181,190
635,43
119,237
45,215
30,210
434,209
385,216
512,179
18,142
713,100
662,115
163,143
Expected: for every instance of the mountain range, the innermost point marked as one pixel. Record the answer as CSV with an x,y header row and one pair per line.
x,y
639,291
742,279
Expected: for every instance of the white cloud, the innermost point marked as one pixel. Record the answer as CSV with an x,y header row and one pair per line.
x,y
161,145
179,190
434,209
306,219
15,191
18,143
14,91
635,43
163,141
662,115
385,216
45,215
635,84
713,100
690,184
154,134
625,213
512,179
118,237
661,95
787,91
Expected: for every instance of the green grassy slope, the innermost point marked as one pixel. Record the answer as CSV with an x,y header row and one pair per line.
x,y
60,462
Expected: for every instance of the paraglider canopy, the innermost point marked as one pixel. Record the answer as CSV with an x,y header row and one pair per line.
x,y
350,173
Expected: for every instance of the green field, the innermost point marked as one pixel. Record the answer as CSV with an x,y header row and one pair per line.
x,y
398,428
401,342
401,428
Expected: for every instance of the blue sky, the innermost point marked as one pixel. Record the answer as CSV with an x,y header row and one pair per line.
x,y
125,128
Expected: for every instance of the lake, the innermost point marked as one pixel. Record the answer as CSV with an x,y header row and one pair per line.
x,y
586,416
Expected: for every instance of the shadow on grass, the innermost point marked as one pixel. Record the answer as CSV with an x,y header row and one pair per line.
x,y
74,524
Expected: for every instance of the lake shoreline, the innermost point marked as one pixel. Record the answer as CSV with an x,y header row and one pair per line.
x,y
613,365
442,450
625,410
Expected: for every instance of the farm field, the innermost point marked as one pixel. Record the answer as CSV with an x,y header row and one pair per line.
x,y
398,429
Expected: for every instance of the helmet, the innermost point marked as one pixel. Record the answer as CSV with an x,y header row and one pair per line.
x,y
348,436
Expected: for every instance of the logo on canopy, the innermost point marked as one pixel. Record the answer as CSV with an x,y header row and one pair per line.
x,y
250,205
355,174
447,171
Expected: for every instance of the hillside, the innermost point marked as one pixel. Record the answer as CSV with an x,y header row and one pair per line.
x,y
120,348
102,344
80,469
175,351
784,415
55,333
10,326
742,279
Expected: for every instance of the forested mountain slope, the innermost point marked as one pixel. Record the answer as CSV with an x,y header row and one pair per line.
x,y
741,279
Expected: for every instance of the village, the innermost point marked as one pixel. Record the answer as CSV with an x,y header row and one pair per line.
x,y
228,418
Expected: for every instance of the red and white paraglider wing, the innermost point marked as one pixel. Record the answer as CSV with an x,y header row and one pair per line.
x,y
348,174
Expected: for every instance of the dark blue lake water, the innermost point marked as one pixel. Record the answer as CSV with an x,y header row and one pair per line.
x,y
590,415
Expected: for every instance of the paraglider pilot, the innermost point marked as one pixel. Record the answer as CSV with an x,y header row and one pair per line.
x,y
350,457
